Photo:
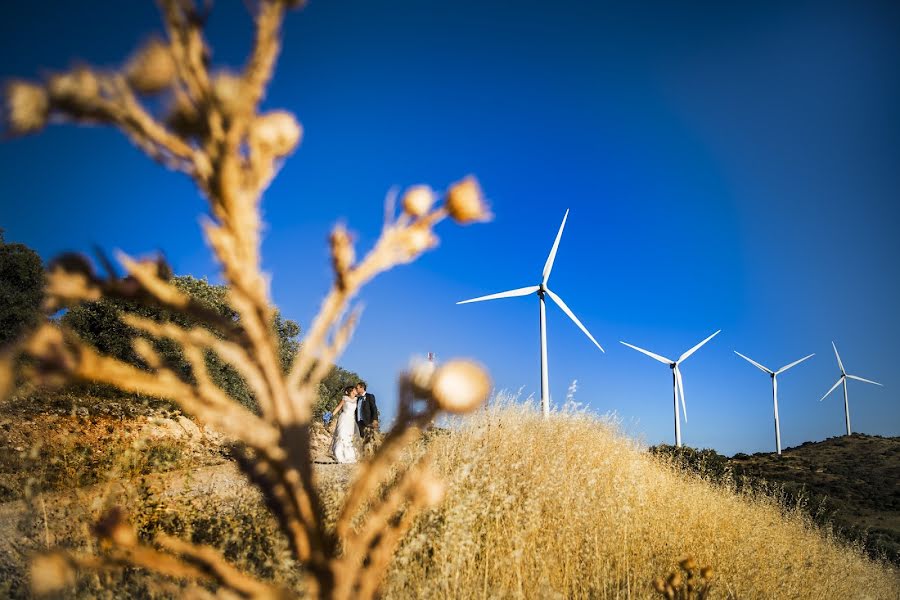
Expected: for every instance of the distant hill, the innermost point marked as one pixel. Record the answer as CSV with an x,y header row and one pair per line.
x,y
851,482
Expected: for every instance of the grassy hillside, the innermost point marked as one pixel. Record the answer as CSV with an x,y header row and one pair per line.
x,y
849,483
560,508
570,508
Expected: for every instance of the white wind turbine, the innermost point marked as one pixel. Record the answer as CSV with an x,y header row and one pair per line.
x,y
774,375
541,290
843,379
677,381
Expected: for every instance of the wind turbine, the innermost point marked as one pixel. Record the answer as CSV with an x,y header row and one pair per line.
x,y
843,379
677,381
774,375
541,290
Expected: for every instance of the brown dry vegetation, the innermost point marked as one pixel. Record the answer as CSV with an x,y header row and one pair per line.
x,y
562,508
571,508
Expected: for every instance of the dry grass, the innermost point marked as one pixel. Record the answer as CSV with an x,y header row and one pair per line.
x,y
571,508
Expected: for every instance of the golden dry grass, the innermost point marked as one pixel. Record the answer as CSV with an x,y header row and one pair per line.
x,y
569,507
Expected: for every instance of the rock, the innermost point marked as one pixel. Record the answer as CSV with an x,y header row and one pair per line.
x,y
189,427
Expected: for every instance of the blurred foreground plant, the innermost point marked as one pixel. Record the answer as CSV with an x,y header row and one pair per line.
x,y
689,583
211,128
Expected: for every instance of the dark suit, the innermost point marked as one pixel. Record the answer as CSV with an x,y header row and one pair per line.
x,y
366,413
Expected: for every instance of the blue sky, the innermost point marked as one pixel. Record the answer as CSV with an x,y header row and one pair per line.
x,y
727,166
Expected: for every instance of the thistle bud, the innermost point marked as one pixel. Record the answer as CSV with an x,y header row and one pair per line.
x,y
421,375
152,69
228,91
50,573
465,202
77,89
278,132
342,254
688,563
659,584
460,386
27,107
431,490
418,200
675,579
706,573
418,239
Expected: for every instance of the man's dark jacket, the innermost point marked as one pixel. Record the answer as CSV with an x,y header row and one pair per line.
x,y
368,411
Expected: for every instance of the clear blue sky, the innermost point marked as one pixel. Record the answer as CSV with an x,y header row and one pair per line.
x,y
732,166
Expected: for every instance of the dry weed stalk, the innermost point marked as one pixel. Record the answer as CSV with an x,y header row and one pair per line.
x,y
693,584
214,132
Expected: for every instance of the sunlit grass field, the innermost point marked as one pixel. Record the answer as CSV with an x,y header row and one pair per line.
x,y
572,508
562,508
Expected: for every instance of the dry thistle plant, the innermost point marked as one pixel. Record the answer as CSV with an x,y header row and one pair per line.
x,y
213,130
689,583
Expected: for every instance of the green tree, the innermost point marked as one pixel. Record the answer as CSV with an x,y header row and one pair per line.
x,y
332,388
99,324
21,289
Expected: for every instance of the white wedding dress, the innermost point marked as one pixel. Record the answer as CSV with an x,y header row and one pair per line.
x,y
342,444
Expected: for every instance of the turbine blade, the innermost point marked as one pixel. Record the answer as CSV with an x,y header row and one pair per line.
x,y
832,388
753,362
548,266
680,381
661,359
509,294
864,380
697,347
793,364
840,364
568,311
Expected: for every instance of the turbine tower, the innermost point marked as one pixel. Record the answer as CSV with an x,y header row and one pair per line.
x,y
541,291
774,375
677,381
843,379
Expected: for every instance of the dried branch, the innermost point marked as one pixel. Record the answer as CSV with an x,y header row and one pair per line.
x,y
213,131
208,560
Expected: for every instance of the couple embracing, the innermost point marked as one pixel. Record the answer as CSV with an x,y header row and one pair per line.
x,y
357,417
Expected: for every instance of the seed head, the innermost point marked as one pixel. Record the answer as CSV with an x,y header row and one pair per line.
x,y
421,376
460,386
27,107
77,89
418,239
706,573
675,579
659,584
152,69
278,132
688,563
228,91
50,573
465,203
431,490
418,200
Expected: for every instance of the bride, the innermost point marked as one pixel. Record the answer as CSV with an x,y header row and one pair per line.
x,y
342,443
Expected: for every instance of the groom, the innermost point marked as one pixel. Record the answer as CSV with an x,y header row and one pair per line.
x,y
366,411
